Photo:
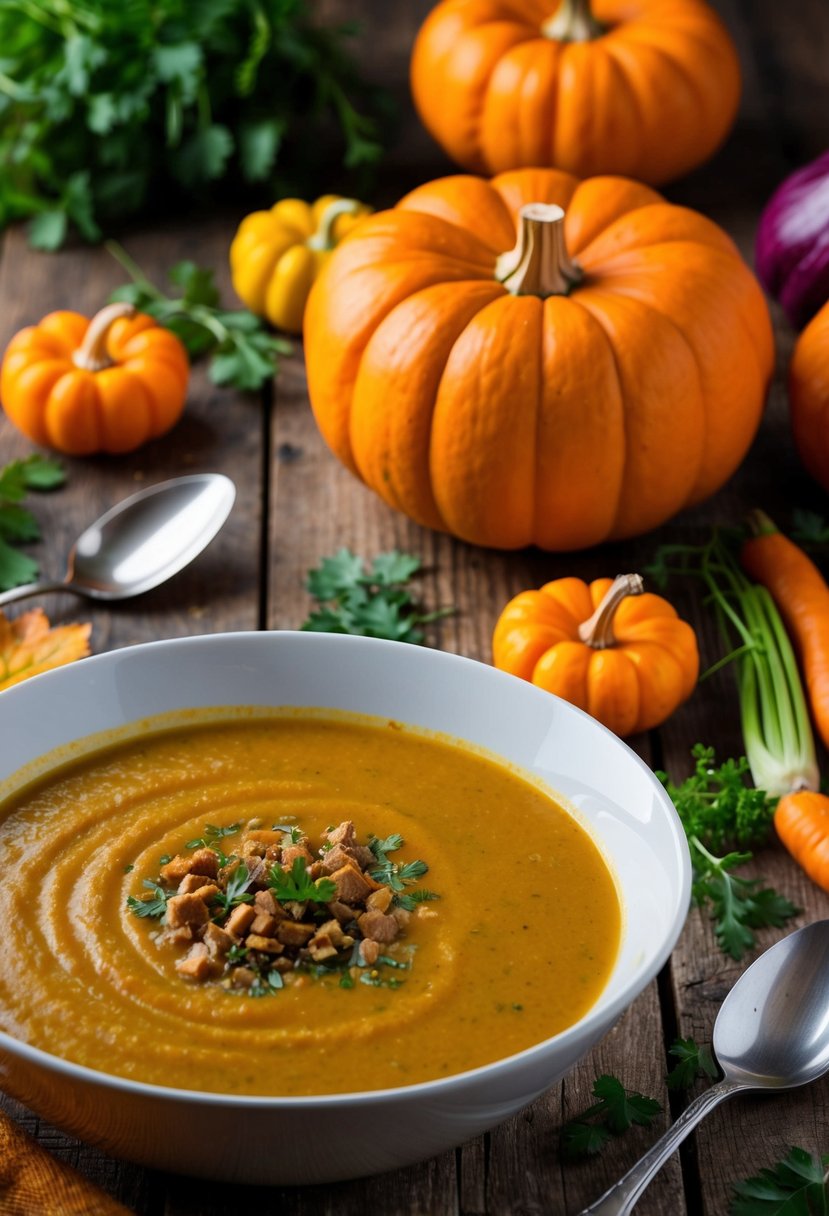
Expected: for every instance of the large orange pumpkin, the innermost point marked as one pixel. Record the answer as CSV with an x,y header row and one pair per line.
x,y
582,385
809,396
645,88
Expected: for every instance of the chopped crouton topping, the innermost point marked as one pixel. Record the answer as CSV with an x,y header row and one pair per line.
x,y
278,911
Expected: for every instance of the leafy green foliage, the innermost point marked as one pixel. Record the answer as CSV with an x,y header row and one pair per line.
x,y
616,1110
695,1060
17,524
296,885
809,529
213,833
399,875
716,809
156,98
236,890
374,603
716,804
244,354
795,1186
154,905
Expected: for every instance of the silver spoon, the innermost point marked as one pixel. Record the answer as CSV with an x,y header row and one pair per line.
x,y
772,1032
142,541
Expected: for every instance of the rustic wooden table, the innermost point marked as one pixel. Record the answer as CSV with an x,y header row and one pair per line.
x,y
296,504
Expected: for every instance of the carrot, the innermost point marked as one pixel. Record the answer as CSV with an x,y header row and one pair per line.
x,y
802,823
802,598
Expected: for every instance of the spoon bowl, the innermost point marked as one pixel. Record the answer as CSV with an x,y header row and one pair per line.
x,y
771,1033
142,541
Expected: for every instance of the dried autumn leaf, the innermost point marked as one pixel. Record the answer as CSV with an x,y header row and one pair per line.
x,y
28,646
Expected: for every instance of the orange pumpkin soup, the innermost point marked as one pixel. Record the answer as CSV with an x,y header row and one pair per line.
x,y
513,942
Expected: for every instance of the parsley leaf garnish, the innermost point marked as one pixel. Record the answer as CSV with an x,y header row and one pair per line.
x,y
398,875
795,1186
374,603
717,809
17,524
694,1060
297,886
235,891
154,905
244,354
212,834
615,1111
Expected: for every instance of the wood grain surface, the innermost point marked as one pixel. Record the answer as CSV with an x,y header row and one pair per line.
x,y
296,504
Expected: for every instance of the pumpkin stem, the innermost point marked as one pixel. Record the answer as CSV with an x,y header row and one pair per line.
x,y
323,239
539,265
573,22
597,631
92,354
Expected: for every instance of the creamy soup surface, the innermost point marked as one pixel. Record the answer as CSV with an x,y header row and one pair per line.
x,y
525,932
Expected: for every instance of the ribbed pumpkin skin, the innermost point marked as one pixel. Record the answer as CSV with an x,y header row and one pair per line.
x,y
650,98
809,396
631,686
509,421
59,405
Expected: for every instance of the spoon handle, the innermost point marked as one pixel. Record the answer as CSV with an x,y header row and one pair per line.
x,y
30,589
623,1195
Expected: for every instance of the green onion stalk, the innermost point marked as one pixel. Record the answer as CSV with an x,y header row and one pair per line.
x,y
777,732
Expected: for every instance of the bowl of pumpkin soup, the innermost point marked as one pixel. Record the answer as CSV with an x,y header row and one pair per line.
x,y
296,907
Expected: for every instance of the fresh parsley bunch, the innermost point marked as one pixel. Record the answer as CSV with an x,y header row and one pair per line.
x,y
105,106
374,603
718,810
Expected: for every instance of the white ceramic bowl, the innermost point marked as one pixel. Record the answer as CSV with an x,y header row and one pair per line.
x,y
316,1139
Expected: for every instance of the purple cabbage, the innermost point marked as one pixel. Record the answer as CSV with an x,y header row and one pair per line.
x,y
792,251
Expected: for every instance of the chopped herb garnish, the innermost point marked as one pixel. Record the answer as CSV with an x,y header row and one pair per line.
x,y
128,868
297,886
615,1111
213,833
294,833
411,899
154,905
236,892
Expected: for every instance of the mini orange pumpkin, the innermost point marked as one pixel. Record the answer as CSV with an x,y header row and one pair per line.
x,y
809,396
584,384
643,88
105,385
623,656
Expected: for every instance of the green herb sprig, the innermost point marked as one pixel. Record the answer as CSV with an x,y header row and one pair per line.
x,y
615,1111
376,602
17,524
695,1060
236,891
154,905
399,875
297,886
796,1186
243,353
717,810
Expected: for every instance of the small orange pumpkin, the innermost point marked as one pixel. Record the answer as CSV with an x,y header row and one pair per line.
x,y
622,655
809,396
105,385
644,88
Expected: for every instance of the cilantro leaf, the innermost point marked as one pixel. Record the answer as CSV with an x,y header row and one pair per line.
x,y
397,875
297,886
694,1060
373,603
795,1186
616,1110
236,889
